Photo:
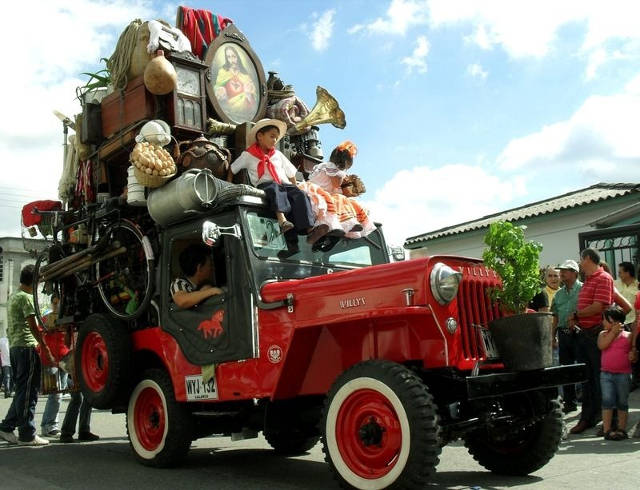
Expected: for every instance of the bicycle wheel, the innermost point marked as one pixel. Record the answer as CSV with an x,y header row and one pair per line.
x,y
125,281
45,291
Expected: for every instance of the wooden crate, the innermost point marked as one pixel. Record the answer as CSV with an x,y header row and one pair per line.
x,y
125,107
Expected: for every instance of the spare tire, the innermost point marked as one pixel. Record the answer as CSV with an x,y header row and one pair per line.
x,y
103,361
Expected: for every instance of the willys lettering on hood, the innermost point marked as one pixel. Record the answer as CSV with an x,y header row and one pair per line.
x,y
352,302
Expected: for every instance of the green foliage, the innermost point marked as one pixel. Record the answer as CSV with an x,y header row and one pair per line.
x,y
97,80
516,261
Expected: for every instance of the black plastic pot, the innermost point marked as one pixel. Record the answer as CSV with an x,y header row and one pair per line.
x,y
524,341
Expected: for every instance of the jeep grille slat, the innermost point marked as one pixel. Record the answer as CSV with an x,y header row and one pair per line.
x,y
475,308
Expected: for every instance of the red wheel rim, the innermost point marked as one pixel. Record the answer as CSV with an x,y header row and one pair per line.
x,y
95,362
149,418
368,434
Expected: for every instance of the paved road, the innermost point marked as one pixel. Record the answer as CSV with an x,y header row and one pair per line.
x,y
584,462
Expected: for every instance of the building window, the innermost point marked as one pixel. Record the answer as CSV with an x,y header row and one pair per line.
x,y
1,268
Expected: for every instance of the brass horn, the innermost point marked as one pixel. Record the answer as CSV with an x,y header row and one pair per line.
x,y
326,110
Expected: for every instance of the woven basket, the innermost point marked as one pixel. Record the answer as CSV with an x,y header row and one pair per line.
x,y
151,181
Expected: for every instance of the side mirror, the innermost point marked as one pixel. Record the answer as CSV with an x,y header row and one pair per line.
x,y
211,232
397,253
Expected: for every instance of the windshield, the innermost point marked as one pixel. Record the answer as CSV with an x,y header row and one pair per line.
x,y
268,242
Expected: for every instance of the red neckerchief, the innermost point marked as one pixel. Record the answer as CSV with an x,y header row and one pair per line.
x,y
265,161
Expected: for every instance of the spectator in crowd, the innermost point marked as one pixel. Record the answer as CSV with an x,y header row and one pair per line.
x,y
615,344
77,405
540,302
595,295
24,337
5,365
564,304
635,343
627,286
618,299
55,339
552,283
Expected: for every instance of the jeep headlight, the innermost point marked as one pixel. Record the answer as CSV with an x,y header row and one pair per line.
x,y
444,283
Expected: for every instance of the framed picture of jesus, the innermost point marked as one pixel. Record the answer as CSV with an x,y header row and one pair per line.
x,y
236,84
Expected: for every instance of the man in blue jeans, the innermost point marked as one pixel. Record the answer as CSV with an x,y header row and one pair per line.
x,y
24,337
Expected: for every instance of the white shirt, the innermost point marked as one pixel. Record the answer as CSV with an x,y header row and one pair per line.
x,y
284,168
322,174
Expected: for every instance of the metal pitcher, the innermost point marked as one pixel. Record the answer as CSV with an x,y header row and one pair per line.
x,y
188,195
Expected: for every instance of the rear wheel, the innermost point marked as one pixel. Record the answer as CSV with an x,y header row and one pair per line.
x,y
159,428
103,360
525,449
125,281
380,428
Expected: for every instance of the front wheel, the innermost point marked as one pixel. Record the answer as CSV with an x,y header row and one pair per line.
x,y
380,428
159,428
524,450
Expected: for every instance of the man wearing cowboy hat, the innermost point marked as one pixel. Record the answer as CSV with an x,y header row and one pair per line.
x,y
564,304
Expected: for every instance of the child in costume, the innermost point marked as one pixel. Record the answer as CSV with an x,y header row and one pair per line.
x,y
615,373
330,175
348,216
272,172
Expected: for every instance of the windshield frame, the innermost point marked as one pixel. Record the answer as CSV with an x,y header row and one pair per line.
x,y
374,242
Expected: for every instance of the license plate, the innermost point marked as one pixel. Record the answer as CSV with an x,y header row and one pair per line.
x,y
197,389
489,345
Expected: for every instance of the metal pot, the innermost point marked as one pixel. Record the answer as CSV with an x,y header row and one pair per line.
x,y
188,195
203,153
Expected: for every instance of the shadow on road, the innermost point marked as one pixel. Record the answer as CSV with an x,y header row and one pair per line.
x,y
112,465
484,480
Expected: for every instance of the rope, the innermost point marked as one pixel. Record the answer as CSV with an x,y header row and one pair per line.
x,y
120,60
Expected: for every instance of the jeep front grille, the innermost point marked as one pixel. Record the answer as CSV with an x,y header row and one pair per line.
x,y
475,307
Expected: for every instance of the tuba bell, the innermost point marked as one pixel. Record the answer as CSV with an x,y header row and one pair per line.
x,y
326,110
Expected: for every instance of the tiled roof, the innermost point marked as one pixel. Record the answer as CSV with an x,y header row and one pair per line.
x,y
595,193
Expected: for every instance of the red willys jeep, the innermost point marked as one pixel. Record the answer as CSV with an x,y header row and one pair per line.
x,y
385,362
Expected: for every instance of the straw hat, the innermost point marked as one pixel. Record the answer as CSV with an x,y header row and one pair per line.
x,y
282,127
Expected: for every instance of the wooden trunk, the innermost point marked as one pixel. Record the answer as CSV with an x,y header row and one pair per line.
x,y
123,108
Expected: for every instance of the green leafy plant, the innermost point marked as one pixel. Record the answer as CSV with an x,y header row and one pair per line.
x,y
98,80
516,260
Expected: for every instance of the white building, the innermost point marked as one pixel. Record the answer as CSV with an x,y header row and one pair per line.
x,y
597,217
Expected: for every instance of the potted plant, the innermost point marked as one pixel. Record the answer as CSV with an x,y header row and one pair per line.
x,y
523,339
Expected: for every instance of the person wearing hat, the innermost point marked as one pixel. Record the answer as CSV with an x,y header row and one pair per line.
x,y
564,303
272,172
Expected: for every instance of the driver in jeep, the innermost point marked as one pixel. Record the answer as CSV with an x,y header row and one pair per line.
x,y
193,286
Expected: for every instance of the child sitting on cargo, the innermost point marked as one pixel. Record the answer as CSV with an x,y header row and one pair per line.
x,y
615,372
330,175
353,220
272,172
193,287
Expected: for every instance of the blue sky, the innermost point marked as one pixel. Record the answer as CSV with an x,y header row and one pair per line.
x,y
459,108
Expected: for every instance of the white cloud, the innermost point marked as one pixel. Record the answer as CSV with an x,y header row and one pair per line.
x,y
475,70
530,29
66,38
400,17
423,199
322,30
598,142
418,58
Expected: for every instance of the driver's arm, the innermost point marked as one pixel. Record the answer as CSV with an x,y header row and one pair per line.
x,y
185,300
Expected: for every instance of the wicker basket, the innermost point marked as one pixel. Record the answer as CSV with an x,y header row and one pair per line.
x,y
151,181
